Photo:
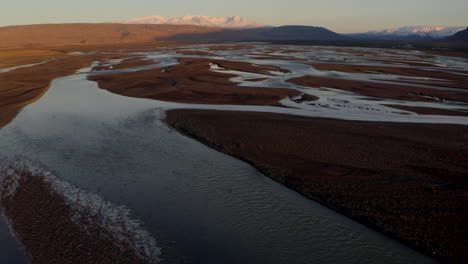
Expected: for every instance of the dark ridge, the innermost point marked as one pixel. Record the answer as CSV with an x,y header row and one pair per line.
x,y
461,36
283,33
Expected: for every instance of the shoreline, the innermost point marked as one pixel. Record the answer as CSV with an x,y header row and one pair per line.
x,y
24,86
183,122
193,79
95,231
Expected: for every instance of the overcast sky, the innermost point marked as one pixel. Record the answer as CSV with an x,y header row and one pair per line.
x,y
344,16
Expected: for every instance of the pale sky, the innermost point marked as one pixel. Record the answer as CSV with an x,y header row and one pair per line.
x,y
343,16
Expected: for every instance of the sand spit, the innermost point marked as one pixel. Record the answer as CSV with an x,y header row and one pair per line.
x,y
123,64
248,67
192,81
458,80
406,180
59,223
430,111
383,90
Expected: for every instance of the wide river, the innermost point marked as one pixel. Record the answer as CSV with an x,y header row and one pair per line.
x,y
214,208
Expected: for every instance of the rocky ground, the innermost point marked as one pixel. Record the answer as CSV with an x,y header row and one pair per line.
x,y
54,228
406,180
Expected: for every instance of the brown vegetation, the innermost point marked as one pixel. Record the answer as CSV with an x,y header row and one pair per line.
x,y
84,34
192,81
13,58
121,47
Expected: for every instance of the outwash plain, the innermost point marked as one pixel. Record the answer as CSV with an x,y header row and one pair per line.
x,y
378,135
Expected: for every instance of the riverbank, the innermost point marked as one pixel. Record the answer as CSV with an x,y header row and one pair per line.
x,y
58,223
26,74
406,180
383,90
193,81
22,86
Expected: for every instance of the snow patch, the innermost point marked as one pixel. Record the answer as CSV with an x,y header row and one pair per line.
x,y
199,20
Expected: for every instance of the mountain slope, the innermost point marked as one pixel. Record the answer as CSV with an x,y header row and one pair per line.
x,y
80,34
284,33
409,33
461,36
206,21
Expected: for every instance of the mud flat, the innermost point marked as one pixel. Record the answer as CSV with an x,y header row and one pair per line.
x,y
124,64
459,81
382,90
430,111
406,180
192,81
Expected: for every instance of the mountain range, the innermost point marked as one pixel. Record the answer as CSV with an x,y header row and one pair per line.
x,y
200,20
205,29
264,32
409,33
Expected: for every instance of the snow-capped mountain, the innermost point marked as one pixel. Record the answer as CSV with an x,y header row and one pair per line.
x,y
435,32
207,21
411,33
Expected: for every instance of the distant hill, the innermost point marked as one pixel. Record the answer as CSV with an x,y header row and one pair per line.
x,y
75,34
206,21
82,34
283,33
461,36
409,33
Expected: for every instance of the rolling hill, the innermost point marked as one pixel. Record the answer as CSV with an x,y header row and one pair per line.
x,y
283,33
82,34
76,34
